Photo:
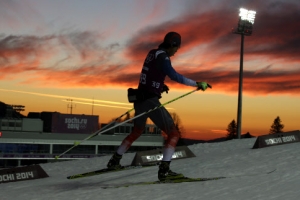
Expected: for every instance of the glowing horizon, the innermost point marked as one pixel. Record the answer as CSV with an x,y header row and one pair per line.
x,y
58,51
67,97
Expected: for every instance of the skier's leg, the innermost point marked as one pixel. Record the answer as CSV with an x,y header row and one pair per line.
x,y
127,142
164,121
114,162
139,125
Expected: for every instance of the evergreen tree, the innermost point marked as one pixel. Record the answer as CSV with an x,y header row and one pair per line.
x,y
179,127
178,124
128,117
231,130
276,127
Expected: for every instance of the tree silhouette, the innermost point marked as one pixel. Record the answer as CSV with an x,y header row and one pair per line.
x,y
178,124
127,116
276,127
231,130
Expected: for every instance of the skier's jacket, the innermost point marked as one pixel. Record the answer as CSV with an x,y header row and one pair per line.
x,y
157,66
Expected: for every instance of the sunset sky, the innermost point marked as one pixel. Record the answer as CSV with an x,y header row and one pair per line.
x,y
91,51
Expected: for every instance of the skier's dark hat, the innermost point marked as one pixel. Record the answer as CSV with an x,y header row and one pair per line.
x,y
172,39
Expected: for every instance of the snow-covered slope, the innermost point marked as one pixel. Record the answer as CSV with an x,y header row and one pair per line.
x,y
245,167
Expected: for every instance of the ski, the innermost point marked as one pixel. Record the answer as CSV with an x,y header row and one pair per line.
x,y
182,180
179,180
107,170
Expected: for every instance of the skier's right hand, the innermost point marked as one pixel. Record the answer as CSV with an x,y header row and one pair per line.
x,y
203,85
165,89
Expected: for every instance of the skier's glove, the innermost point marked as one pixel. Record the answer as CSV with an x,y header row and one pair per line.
x,y
165,89
203,85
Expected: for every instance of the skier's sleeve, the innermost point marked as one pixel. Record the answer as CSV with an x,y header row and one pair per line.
x,y
170,71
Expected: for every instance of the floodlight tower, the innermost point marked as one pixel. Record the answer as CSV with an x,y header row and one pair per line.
x,y
244,28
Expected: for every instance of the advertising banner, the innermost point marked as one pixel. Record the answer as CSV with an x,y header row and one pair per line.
x,y
154,156
22,173
56,122
277,139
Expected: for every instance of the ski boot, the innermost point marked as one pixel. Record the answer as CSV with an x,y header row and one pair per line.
x,y
114,162
165,174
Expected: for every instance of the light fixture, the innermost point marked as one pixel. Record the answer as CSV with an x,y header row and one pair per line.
x,y
245,27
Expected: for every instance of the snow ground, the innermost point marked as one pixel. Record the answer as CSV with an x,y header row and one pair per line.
x,y
246,168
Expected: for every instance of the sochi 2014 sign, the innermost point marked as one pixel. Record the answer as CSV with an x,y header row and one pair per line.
x,y
159,157
277,139
22,173
154,156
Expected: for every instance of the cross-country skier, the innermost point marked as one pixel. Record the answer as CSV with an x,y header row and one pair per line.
x,y
156,67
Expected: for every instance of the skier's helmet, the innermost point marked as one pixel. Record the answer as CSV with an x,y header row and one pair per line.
x,y
173,39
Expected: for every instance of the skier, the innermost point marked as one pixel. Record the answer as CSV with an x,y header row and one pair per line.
x,y
157,66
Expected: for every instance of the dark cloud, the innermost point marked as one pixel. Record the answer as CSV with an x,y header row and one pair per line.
x,y
275,39
276,31
31,53
260,82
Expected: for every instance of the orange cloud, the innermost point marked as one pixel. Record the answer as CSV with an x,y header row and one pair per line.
x,y
209,52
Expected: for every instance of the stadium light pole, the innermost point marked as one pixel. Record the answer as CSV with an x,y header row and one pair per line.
x,y
244,28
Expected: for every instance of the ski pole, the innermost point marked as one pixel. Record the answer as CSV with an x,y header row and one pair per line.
x,y
117,119
94,134
103,131
99,132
